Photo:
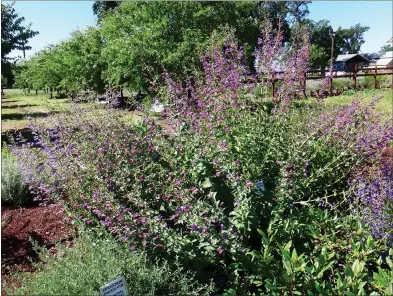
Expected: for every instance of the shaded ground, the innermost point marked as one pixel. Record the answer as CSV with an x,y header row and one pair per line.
x,y
44,224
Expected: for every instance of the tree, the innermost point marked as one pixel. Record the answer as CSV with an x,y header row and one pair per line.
x,y
81,55
14,35
296,10
350,40
100,8
144,39
386,48
345,41
71,65
320,38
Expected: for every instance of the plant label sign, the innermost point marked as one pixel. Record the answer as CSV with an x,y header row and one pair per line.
x,y
116,287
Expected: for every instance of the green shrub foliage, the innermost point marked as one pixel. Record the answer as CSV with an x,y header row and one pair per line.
x,y
96,258
14,189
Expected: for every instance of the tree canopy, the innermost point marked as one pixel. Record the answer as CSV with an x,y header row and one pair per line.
x,y
386,48
14,34
346,41
350,40
100,8
135,42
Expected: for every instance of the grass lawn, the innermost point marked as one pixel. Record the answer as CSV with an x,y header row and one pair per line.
x,y
17,106
385,104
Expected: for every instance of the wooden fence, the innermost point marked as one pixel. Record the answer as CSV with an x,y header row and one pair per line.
x,y
358,72
318,74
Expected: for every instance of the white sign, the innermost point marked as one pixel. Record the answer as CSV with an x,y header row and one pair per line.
x,y
116,287
261,187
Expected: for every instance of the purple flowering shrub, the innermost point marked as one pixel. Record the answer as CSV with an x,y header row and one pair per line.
x,y
373,199
272,55
360,126
206,188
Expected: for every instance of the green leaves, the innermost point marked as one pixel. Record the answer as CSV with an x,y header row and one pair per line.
x,y
14,35
207,183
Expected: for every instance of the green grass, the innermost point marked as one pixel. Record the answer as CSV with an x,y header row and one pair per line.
x,y
385,105
17,106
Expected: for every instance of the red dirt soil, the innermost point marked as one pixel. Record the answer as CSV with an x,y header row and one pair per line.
x,y
44,224
387,155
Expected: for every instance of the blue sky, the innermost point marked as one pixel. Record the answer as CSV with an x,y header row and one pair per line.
x,y
55,20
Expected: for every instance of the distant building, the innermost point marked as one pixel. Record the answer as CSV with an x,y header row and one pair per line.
x,y
347,62
386,60
373,58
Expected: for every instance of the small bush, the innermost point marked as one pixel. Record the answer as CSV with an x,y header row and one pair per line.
x,y
382,82
14,189
95,259
342,83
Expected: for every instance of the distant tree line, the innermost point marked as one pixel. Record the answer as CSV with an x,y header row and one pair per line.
x,y
134,42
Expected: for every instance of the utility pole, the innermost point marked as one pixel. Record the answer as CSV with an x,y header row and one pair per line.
x,y
24,50
331,64
331,52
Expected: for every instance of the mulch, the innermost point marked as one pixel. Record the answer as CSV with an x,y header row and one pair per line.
x,y
44,224
387,155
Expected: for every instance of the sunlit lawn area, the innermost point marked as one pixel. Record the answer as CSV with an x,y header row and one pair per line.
x,y
16,107
385,104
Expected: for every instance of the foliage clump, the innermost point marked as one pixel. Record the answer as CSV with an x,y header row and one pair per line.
x,y
96,258
14,189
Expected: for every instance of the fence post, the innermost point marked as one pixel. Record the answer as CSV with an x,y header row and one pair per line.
x,y
375,77
392,76
273,90
354,76
305,79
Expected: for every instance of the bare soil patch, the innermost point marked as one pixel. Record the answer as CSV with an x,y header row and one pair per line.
x,y
44,224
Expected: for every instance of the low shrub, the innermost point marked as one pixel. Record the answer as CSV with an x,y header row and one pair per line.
x,y
96,258
342,83
383,81
14,190
373,193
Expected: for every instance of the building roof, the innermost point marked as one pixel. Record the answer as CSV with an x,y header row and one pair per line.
x,y
347,57
372,57
385,59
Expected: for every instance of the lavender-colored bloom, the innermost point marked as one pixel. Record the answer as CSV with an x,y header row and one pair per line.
x,y
375,195
220,250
